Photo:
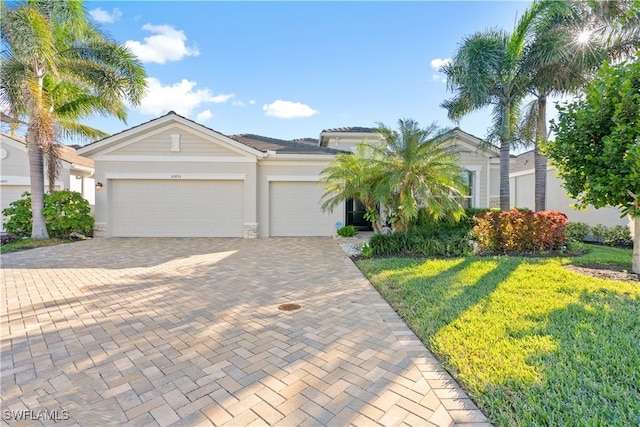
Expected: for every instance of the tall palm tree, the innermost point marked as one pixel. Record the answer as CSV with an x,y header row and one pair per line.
x,y
488,70
419,169
568,47
58,68
354,176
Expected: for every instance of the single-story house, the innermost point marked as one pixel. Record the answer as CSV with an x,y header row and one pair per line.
x,y
75,173
522,187
173,177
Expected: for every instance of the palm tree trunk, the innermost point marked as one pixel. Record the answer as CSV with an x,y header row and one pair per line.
x,y
505,140
540,161
36,175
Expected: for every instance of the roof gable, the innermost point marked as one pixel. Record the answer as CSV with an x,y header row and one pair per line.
x,y
66,153
160,124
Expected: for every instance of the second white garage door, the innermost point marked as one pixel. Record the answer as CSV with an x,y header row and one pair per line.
x,y
175,208
294,210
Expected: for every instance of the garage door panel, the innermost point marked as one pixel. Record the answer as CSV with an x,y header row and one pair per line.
x,y
169,208
295,210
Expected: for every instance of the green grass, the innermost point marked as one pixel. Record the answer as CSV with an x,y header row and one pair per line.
x,y
531,342
24,244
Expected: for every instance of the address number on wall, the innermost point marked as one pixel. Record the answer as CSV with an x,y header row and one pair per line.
x,y
176,176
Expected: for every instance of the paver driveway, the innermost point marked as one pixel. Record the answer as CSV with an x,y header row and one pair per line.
x,y
188,332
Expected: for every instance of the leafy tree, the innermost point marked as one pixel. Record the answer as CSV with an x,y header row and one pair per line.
x,y
57,68
597,146
420,169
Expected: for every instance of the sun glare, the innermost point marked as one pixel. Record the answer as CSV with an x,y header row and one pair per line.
x,y
583,36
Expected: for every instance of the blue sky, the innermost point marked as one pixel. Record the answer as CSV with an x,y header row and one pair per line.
x,y
290,69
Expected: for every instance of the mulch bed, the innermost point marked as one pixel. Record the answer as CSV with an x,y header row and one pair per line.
x,y
611,272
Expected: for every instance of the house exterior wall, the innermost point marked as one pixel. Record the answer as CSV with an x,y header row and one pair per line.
x,y
477,163
350,143
523,193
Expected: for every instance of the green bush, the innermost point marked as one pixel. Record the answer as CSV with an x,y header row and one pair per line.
x,y
425,222
577,231
65,213
610,236
347,231
422,243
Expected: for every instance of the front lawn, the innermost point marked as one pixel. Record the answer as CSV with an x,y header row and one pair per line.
x,y
24,244
531,342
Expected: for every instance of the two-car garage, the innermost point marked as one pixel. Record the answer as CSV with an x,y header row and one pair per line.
x,y
175,208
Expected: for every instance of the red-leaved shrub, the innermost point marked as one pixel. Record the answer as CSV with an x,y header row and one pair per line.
x,y
520,231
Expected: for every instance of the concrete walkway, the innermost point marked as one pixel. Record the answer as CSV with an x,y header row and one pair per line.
x,y
188,332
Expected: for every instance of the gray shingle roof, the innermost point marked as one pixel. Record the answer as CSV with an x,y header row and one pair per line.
x,y
263,143
523,162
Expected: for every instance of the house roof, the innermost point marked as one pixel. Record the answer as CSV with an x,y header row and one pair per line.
x,y
523,162
281,146
67,153
352,129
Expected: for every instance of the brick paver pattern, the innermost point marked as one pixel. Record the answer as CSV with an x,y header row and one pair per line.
x,y
188,332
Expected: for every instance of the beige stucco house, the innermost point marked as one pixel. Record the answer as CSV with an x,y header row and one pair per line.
x,y
522,186
173,177
75,173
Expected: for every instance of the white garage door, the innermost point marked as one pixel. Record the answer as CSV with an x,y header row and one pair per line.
x,y
172,208
295,210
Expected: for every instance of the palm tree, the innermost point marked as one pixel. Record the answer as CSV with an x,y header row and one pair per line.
x,y
419,169
489,70
354,176
568,47
57,68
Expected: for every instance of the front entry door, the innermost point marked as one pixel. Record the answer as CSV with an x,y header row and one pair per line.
x,y
355,215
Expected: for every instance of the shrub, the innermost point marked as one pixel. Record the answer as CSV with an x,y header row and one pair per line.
x,y
577,231
520,231
367,252
347,231
7,238
65,213
422,243
425,222
618,236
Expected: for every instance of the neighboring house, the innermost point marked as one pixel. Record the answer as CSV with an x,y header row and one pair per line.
x,y
522,184
75,173
173,177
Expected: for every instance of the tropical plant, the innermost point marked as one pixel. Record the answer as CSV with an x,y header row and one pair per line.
x,y
490,69
568,47
420,169
58,68
354,176
66,214
597,146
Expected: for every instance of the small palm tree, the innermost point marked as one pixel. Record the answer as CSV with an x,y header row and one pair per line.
x,y
418,170
354,176
58,68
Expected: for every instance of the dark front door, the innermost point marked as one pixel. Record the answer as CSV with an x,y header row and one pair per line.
x,y
355,215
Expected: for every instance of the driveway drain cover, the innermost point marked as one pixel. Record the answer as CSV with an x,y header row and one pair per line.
x,y
288,307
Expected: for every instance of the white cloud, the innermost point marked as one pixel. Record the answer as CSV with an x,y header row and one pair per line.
x,y
104,16
181,97
438,78
288,110
204,116
238,104
253,101
437,63
167,44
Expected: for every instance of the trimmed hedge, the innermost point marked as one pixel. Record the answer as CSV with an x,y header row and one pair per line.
x,y
520,231
610,236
